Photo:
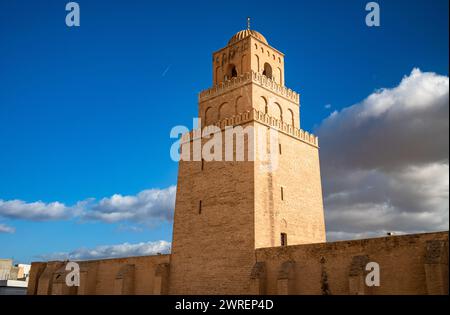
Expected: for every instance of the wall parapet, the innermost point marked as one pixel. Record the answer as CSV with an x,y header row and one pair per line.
x,y
128,275
245,78
270,84
263,118
408,264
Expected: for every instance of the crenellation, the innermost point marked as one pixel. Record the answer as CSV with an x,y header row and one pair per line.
x,y
263,118
266,82
246,78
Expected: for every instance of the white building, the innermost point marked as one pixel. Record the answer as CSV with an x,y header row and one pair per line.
x,y
13,278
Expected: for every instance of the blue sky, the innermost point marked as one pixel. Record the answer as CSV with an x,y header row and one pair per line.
x,y
86,112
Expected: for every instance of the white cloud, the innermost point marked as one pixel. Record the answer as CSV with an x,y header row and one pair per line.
x,y
6,229
129,228
385,161
38,211
147,207
112,251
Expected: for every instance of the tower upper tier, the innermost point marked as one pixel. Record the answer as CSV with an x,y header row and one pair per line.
x,y
248,51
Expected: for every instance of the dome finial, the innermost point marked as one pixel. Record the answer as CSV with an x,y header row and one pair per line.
x,y
248,23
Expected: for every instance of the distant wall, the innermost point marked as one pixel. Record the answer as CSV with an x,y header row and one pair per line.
x,y
131,275
409,264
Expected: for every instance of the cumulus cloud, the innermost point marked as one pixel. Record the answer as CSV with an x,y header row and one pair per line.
x,y
111,251
37,211
6,229
147,207
385,161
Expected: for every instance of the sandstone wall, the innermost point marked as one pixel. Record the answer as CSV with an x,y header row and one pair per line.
x,y
410,264
213,238
288,199
131,275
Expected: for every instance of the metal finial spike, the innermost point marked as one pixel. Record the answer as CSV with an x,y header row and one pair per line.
x,y
248,23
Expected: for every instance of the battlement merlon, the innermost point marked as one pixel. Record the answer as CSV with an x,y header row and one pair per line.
x,y
247,78
256,115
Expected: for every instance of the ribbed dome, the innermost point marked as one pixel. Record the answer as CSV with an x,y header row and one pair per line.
x,y
245,33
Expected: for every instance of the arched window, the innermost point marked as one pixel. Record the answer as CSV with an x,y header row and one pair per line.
x,y
257,63
210,116
275,111
242,63
240,105
290,117
217,75
267,70
263,105
231,72
279,76
226,110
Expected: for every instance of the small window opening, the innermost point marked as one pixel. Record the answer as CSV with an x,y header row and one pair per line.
x,y
282,193
200,207
203,164
279,147
283,239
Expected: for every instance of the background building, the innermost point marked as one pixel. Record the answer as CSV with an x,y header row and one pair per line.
x,y
13,278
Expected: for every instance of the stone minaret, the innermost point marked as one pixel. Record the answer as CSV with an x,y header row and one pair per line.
x,y
226,209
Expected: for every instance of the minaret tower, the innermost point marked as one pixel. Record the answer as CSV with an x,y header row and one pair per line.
x,y
226,209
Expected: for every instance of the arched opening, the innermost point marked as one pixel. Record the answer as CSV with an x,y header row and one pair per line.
x,y
210,116
267,70
279,77
217,75
257,63
240,105
231,72
226,110
275,111
263,106
242,63
290,117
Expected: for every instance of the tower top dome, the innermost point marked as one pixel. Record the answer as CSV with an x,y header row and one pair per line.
x,y
245,33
